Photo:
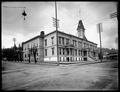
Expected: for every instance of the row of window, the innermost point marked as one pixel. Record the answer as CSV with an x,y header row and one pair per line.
x,y
32,45
69,59
52,51
52,41
62,41
66,41
62,51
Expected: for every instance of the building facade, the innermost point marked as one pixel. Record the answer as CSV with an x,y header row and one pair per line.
x,y
37,42
61,46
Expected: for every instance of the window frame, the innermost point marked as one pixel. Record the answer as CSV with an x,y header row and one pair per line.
x,y
45,42
52,40
45,52
52,50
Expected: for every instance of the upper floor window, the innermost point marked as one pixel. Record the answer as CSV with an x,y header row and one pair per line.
x,y
36,45
79,52
60,50
71,51
79,44
91,46
87,45
45,42
28,45
59,40
75,43
63,51
67,41
67,51
76,52
84,45
52,38
95,47
62,40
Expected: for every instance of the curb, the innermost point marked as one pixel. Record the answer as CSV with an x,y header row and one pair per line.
x,y
9,71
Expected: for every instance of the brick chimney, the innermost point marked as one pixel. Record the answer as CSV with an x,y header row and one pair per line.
x,y
42,34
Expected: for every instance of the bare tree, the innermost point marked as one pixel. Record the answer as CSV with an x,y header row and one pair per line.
x,y
29,53
34,51
19,53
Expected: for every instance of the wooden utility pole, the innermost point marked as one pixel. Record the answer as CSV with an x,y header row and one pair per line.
x,y
56,32
100,30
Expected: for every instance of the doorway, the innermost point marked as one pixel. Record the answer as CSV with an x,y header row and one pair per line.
x,y
85,53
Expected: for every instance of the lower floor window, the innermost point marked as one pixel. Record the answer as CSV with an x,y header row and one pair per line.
x,y
45,52
25,55
52,51
60,58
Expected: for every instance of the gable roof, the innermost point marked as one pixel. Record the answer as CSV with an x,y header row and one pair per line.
x,y
59,32
31,39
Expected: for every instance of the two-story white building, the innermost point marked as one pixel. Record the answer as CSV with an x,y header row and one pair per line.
x,y
61,46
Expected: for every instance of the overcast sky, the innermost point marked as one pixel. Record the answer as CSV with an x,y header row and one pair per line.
x,y
39,18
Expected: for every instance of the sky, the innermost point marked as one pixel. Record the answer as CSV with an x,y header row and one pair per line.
x,y
39,18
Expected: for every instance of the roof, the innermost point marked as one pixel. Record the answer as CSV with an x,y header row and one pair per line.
x,y
37,37
84,37
50,33
76,37
59,32
31,39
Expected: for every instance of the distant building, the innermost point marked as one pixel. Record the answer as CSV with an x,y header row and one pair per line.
x,y
111,54
70,48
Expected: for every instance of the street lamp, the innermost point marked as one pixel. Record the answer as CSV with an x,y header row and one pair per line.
x,y
24,13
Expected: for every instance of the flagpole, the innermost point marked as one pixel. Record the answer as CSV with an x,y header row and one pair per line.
x,y
56,32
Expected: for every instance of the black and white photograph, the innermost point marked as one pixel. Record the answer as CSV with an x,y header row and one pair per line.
x,y
59,45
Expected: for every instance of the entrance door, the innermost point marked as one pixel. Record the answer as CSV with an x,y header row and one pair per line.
x,y
85,58
85,53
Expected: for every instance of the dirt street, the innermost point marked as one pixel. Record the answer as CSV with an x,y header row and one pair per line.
x,y
99,76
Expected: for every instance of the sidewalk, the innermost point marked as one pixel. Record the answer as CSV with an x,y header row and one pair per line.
x,y
51,63
54,63
80,62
